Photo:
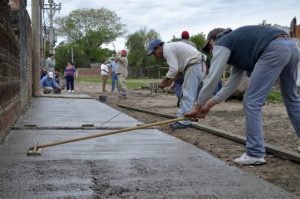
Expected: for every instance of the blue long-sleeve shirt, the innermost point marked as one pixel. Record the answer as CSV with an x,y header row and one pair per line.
x,y
48,82
113,66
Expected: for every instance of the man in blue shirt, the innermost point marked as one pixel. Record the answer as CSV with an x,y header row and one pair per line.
x,y
48,84
114,77
265,52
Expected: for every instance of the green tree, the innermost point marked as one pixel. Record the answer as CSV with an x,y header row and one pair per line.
x,y
137,43
88,29
64,54
199,40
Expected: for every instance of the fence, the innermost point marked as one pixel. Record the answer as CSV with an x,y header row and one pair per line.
x,y
149,72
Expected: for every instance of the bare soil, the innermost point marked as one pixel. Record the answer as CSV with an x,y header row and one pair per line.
x,y
228,116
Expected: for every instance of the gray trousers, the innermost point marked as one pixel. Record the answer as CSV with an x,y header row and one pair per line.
x,y
191,86
280,59
122,84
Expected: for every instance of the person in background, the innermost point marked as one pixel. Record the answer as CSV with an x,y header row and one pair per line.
x,y
70,74
48,84
104,72
185,59
122,73
43,72
185,36
268,54
57,77
114,78
50,63
177,85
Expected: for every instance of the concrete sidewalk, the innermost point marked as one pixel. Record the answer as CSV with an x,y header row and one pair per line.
x,y
139,164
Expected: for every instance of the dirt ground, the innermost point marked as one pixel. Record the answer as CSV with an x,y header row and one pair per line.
x,y
228,116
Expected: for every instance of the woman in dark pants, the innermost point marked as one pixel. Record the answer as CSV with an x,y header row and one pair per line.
x,y
70,73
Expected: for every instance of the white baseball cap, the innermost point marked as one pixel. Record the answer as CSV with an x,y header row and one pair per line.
x,y
50,74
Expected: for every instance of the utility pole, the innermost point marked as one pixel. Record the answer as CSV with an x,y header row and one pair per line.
x,y
51,9
36,46
42,53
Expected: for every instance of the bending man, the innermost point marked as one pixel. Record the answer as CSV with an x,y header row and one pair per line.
x,y
185,59
265,52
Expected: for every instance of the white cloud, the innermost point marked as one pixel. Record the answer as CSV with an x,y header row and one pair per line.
x,y
170,17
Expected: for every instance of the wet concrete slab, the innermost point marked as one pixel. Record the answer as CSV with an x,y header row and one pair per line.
x,y
144,163
67,95
73,112
139,164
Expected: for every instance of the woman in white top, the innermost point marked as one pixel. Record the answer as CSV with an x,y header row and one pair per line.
x,y
104,74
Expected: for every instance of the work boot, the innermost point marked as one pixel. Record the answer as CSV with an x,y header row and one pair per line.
x,y
178,125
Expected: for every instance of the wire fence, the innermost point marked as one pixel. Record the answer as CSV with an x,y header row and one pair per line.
x,y
149,72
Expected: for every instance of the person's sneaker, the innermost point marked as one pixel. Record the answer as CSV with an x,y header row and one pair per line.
x,y
72,91
69,91
178,125
298,149
247,160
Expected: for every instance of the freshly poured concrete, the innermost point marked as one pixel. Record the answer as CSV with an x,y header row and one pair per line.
x,y
139,164
73,112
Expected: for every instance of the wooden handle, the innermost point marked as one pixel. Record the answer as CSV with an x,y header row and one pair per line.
x,y
109,133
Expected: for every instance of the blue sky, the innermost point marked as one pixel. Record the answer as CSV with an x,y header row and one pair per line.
x,y
171,17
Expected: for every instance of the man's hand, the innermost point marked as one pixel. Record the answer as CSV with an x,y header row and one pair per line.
x,y
196,113
199,111
165,82
209,104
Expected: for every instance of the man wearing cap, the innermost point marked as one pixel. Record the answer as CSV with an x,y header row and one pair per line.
x,y
177,84
185,59
122,73
265,52
185,36
48,84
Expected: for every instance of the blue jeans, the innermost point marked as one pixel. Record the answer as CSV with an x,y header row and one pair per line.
x,y
280,59
114,81
178,87
218,87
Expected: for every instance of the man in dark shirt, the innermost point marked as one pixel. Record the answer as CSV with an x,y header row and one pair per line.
x,y
265,52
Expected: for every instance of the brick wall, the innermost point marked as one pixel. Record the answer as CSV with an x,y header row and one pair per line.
x,y
298,31
88,72
15,64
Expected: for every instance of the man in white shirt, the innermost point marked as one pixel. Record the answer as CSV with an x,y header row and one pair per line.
x,y
104,74
185,59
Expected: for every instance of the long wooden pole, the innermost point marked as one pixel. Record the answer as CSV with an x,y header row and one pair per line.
x,y
108,133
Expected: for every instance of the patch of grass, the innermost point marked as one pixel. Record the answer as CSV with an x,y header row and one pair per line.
x,y
274,97
138,83
88,79
130,83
